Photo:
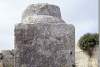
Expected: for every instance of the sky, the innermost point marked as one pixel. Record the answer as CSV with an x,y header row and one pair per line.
x,y
83,14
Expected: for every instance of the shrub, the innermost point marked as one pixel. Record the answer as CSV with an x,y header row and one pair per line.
x,y
88,42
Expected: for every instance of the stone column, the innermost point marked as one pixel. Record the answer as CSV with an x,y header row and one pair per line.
x,y
43,39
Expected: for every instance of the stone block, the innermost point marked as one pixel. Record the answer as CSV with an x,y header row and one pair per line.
x,y
43,39
44,45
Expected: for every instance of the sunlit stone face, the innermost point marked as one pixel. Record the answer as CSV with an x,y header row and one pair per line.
x,y
43,39
42,9
42,19
45,45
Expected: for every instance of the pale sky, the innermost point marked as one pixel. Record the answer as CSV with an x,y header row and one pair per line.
x,y
83,14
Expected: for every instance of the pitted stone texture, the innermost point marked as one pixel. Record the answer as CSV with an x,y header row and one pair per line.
x,y
44,45
8,58
42,9
43,39
42,19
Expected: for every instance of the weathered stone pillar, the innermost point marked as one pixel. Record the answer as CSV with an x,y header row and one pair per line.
x,y
43,39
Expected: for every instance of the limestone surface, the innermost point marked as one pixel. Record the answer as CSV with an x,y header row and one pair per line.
x,y
44,40
7,59
42,9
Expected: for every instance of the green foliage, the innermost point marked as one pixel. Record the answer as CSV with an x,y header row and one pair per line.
x,y
88,42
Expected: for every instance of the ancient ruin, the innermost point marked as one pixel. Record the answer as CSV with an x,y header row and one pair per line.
x,y
7,58
43,39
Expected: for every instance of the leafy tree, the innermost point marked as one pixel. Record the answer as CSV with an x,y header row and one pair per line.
x,y
88,42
